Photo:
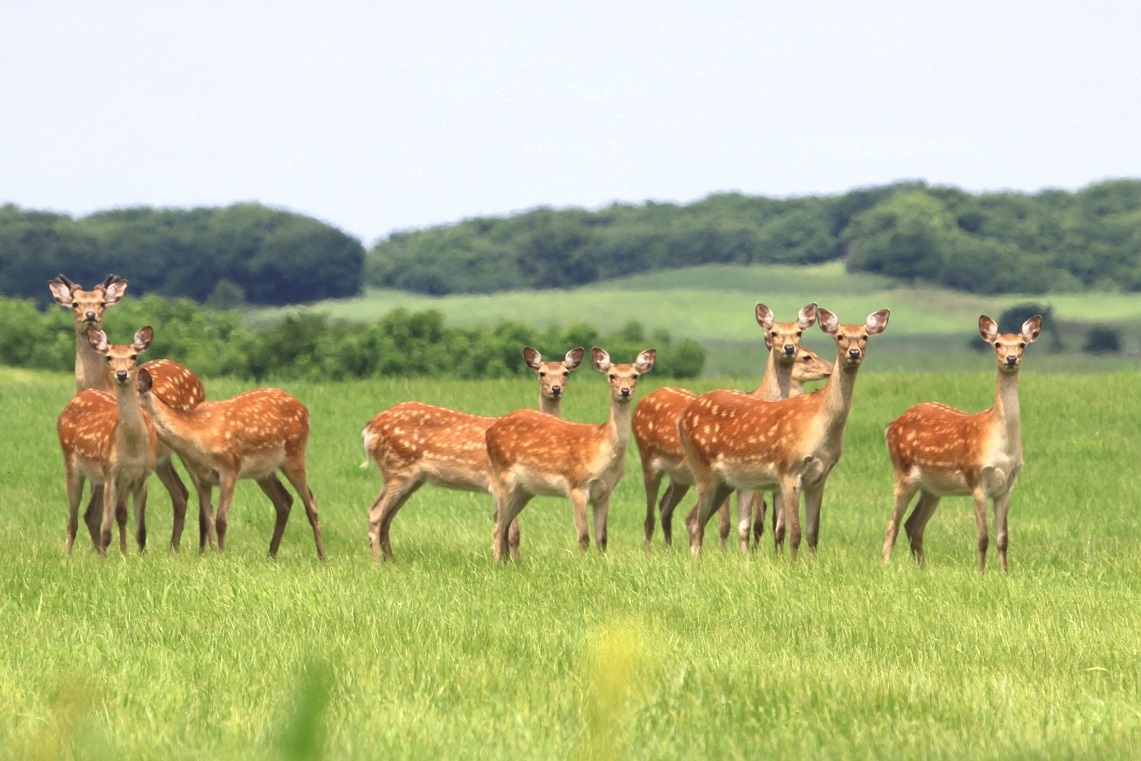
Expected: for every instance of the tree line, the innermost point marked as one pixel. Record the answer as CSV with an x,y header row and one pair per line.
x,y
223,256
307,345
984,243
247,253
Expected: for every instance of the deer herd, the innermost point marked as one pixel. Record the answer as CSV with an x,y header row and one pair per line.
x,y
127,418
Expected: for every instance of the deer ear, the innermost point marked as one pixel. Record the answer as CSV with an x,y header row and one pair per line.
x,y
988,328
601,359
143,380
828,321
645,361
532,358
806,317
113,289
61,292
1031,328
143,338
573,358
765,317
98,340
877,321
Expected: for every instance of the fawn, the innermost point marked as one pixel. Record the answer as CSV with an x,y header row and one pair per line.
x,y
415,443
251,435
108,440
176,384
940,451
735,441
535,454
654,424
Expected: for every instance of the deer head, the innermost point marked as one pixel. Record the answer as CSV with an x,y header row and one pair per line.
x,y
1008,347
785,335
120,359
87,306
553,376
852,339
623,378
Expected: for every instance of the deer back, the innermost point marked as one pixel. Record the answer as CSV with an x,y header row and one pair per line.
x,y
422,441
539,443
654,425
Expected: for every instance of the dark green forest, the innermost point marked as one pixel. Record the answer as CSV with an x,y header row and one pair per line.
x,y
221,256
1051,241
983,243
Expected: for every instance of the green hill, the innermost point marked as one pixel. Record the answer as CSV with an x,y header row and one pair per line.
x,y
930,329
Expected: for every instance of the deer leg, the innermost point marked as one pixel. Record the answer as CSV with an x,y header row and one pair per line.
x,y
74,497
652,482
745,517
790,508
1001,505
110,498
509,503
904,491
601,509
226,485
282,502
295,472
724,522
207,534
513,539
980,525
578,500
121,519
139,502
675,493
93,514
759,509
178,498
392,497
710,493
813,498
916,523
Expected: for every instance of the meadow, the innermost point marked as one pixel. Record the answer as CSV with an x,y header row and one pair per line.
x,y
567,655
932,328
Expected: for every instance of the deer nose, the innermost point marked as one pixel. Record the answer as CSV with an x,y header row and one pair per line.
x,y
121,375
625,393
789,350
1011,360
90,316
853,353
556,390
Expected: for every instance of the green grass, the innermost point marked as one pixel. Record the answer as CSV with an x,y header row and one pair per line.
x,y
714,305
442,654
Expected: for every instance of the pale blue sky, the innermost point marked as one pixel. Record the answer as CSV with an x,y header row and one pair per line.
x,y
380,116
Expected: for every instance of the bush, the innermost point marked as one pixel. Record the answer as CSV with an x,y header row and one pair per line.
x,y
1103,340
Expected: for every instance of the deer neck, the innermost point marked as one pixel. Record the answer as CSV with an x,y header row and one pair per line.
x,y
836,398
90,371
616,429
549,406
1007,413
176,427
131,431
776,383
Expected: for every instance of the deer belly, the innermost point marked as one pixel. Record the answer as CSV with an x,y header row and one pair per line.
x,y
747,474
941,483
261,464
539,483
676,470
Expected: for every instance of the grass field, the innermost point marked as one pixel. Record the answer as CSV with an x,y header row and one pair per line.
x,y
443,655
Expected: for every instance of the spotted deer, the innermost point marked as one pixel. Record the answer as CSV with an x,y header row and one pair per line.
x,y
174,383
535,454
414,443
251,435
654,424
939,451
735,441
107,439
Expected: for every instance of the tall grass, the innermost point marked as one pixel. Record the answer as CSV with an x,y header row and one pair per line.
x,y
443,654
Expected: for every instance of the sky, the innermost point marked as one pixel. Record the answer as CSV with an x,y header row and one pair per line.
x,y
389,115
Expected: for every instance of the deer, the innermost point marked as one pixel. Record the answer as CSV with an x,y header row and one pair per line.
x,y
413,444
534,454
939,451
176,384
735,441
655,424
251,435
108,440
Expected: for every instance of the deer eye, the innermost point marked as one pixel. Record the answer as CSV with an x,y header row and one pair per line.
x,y
75,305
799,333
634,377
1021,345
773,334
542,374
566,374
134,357
107,360
613,377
